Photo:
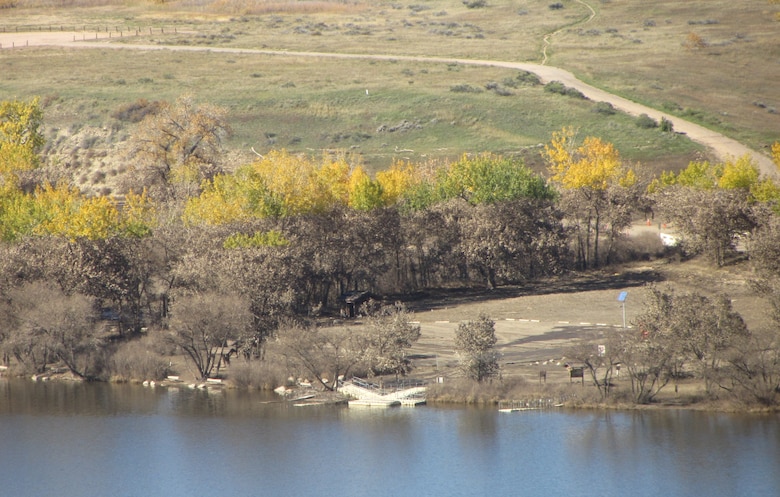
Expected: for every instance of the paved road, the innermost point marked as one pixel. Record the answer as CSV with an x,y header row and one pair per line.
x,y
721,145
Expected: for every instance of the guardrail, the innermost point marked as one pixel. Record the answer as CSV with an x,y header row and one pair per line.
x,y
390,387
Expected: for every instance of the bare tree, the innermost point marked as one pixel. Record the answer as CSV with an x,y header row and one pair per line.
x,y
710,221
201,325
599,357
649,354
326,354
755,367
693,327
179,144
52,326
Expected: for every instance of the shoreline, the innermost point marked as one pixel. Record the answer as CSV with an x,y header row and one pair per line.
x,y
324,397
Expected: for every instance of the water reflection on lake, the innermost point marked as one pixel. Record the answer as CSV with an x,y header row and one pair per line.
x,y
123,440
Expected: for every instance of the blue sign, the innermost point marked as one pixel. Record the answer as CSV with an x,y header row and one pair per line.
x,y
622,296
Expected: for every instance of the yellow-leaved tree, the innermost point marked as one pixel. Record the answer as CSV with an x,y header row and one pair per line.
x,y
63,211
137,215
596,189
365,194
396,181
20,137
741,173
712,205
20,141
281,184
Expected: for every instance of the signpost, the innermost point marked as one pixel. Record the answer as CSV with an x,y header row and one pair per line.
x,y
622,299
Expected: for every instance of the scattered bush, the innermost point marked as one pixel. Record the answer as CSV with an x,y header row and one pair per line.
x,y
560,88
556,6
555,87
646,122
498,89
475,4
136,111
98,177
528,78
575,93
605,108
705,22
694,41
465,88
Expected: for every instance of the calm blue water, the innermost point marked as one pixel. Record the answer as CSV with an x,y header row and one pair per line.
x,y
102,440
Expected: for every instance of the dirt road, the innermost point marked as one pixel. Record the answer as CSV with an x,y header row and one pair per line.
x,y
721,145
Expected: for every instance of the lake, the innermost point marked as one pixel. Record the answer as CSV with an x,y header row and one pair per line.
x,y
68,439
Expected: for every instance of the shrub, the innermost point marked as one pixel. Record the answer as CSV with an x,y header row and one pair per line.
x,y
560,88
575,93
475,4
646,122
666,125
555,87
462,390
605,108
98,177
528,78
465,88
556,6
261,375
138,360
498,89
695,41
136,111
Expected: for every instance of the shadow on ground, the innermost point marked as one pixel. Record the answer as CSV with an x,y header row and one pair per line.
x,y
571,283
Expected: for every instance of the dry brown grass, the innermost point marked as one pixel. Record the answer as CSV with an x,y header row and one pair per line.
x,y
250,7
721,76
632,47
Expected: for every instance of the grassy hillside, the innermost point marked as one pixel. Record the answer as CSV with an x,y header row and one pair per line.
x,y
382,110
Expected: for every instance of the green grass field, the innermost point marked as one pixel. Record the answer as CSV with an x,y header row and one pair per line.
x,y
410,111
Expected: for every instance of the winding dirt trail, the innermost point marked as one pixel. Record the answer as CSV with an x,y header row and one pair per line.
x,y
721,145
546,40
